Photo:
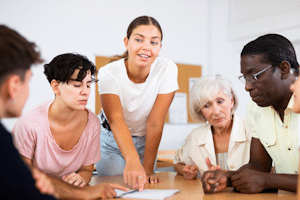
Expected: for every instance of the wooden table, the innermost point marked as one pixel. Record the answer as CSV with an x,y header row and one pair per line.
x,y
192,189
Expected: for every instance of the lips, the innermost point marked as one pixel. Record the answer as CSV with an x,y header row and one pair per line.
x,y
83,101
218,120
255,98
144,56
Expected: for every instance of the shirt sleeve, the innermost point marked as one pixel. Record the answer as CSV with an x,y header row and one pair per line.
x,y
169,80
182,155
94,151
106,83
24,138
250,114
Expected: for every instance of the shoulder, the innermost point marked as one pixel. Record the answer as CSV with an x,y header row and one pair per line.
x,y
164,62
32,120
239,120
258,114
114,71
240,126
93,118
200,132
36,113
113,67
253,107
163,67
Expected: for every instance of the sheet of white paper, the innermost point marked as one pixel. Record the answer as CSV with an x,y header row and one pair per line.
x,y
178,109
149,194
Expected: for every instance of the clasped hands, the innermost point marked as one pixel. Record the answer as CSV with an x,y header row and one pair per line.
x,y
246,181
214,180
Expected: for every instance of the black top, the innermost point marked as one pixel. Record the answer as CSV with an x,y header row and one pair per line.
x,y
15,178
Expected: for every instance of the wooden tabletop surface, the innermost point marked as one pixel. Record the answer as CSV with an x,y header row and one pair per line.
x,y
192,189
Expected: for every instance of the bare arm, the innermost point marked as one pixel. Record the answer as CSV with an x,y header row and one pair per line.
x,y
86,172
179,168
63,190
27,161
188,171
256,177
80,178
251,178
259,160
133,169
155,124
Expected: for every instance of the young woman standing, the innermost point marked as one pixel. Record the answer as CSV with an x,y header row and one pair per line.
x,y
135,91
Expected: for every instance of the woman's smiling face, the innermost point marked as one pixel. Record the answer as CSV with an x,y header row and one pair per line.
x,y
143,45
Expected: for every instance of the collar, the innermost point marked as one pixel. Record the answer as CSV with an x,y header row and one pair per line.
x,y
237,132
205,136
291,103
289,106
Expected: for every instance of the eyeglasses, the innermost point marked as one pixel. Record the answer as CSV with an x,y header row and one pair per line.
x,y
295,72
252,78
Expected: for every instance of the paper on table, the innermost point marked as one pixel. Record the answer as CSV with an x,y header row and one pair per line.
x,y
148,194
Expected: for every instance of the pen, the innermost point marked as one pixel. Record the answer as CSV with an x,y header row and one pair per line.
x,y
132,191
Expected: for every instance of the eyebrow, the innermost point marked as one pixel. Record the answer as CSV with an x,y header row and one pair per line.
x,y
80,81
144,36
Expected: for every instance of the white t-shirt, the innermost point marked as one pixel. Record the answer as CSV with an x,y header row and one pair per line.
x,y
137,99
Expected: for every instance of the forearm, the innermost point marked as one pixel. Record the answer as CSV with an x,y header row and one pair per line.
x,y
86,174
281,181
124,140
153,138
179,168
155,124
230,173
64,190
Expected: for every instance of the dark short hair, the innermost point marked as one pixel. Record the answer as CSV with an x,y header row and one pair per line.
x,y
62,67
273,48
17,54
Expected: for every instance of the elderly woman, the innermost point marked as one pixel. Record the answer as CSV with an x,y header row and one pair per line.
x,y
223,142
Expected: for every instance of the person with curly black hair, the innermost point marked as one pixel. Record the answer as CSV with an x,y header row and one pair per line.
x,y
61,137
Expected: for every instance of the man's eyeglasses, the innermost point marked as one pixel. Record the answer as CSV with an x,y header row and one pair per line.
x,y
252,78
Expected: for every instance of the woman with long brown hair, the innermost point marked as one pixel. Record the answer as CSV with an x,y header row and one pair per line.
x,y
135,91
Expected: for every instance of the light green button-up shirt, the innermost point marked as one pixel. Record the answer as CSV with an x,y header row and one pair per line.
x,y
280,139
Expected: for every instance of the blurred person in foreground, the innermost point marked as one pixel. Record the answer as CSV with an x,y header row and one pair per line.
x,y
16,57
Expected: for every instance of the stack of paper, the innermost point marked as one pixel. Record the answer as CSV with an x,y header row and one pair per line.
x,y
147,194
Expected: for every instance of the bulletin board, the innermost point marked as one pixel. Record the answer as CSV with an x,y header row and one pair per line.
x,y
184,73
100,62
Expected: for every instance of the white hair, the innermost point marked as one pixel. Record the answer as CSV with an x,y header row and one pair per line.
x,y
204,89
